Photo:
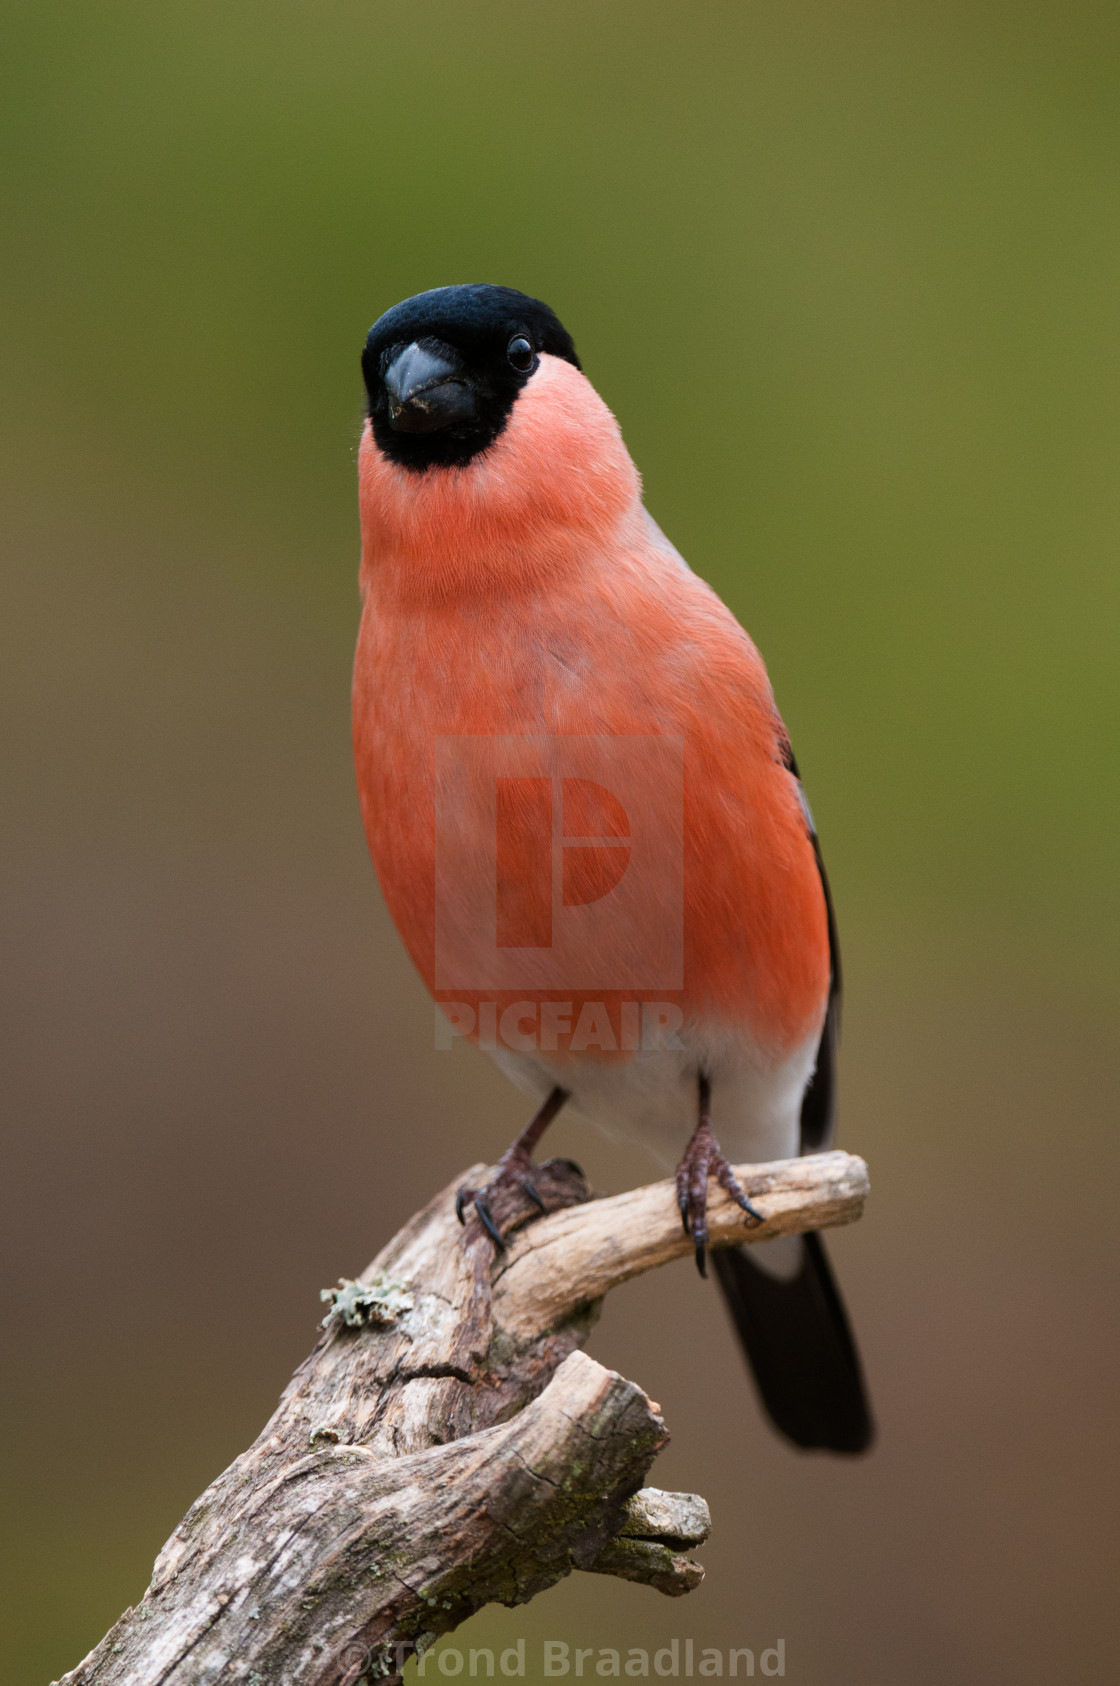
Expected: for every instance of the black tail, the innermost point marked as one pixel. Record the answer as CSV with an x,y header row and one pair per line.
x,y
800,1348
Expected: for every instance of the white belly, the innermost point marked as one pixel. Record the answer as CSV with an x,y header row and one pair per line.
x,y
651,1098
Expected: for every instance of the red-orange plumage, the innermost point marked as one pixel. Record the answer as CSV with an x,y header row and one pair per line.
x,y
529,593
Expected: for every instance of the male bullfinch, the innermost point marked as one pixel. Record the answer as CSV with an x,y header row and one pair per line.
x,y
583,807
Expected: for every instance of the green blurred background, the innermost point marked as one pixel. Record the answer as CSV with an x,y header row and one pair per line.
x,y
849,276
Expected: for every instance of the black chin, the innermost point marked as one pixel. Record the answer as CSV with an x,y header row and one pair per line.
x,y
429,408
458,426
428,388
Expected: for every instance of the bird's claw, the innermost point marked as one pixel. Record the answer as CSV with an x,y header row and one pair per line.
x,y
703,1159
510,1175
531,1190
477,1197
481,1206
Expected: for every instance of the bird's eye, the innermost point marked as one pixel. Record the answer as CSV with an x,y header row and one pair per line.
x,y
520,353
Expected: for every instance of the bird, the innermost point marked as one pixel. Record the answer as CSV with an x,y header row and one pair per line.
x,y
584,811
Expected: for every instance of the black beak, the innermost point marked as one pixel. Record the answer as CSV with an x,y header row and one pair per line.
x,y
427,390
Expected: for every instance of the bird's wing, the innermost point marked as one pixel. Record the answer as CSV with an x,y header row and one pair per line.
x,y
818,1104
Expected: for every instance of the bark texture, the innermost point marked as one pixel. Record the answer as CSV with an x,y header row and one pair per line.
x,y
446,1445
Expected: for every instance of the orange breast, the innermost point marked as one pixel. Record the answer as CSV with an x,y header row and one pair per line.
x,y
629,646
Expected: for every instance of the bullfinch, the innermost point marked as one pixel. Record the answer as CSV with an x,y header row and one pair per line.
x,y
583,807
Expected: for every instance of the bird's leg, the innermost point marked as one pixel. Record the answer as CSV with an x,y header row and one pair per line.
x,y
516,1170
702,1159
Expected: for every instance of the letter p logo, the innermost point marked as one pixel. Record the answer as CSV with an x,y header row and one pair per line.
x,y
554,836
559,863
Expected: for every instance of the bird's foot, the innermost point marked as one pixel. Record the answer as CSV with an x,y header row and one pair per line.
x,y
521,1190
703,1159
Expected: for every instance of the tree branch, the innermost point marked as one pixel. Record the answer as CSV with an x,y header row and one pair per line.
x,y
445,1446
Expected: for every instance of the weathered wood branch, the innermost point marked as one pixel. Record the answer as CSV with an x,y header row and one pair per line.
x,y
445,1446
